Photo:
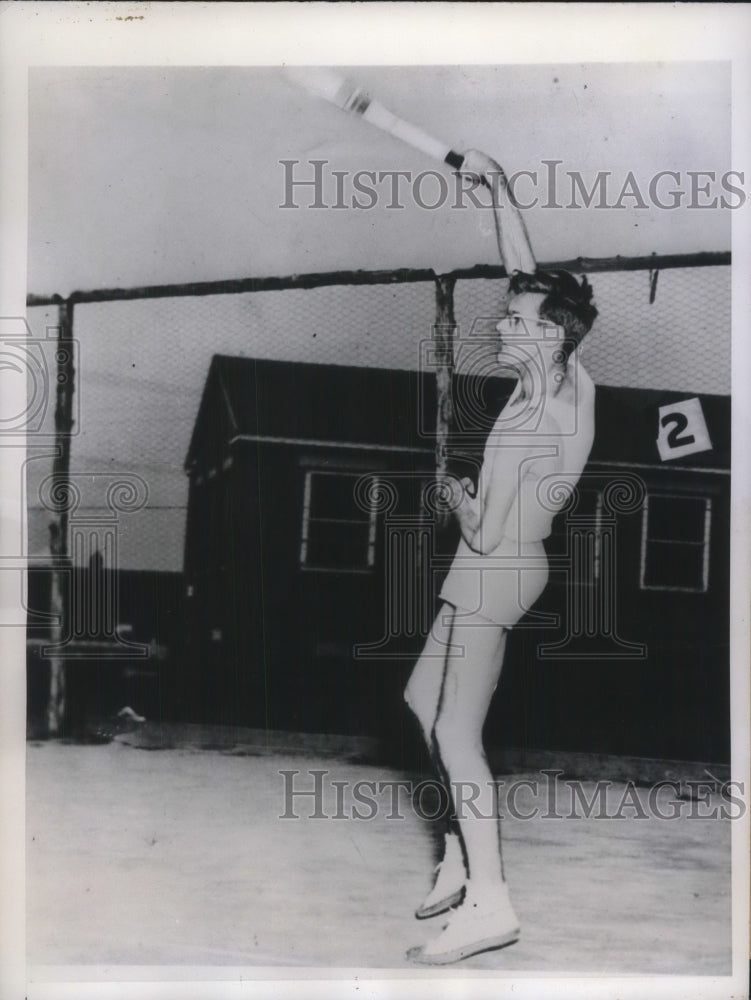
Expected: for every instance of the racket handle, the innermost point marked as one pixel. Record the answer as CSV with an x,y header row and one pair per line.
x,y
453,159
456,160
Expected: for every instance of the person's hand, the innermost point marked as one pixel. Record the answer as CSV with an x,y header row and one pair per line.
x,y
464,500
468,511
478,165
469,488
462,492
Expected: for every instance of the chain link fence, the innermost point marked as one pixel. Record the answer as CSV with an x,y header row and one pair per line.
x,y
142,357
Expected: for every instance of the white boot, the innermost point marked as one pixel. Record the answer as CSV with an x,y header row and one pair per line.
x,y
484,920
448,887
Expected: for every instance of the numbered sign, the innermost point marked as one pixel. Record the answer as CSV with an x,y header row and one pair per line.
x,y
682,429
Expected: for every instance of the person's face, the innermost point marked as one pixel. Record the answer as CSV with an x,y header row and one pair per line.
x,y
524,334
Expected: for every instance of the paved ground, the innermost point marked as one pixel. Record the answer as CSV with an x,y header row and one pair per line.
x,y
178,856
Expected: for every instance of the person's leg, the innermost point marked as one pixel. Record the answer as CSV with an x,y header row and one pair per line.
x,y
423,695
423,690
486,918
469,682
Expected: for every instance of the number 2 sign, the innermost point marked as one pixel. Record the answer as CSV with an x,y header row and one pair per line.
x,y
682,429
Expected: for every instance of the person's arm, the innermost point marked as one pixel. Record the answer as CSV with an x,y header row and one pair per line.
x,y
482,518
513,241
468,511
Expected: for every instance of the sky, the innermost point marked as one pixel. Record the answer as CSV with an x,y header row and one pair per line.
x,y
147,175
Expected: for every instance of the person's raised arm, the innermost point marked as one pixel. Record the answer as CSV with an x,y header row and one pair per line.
x,y
511,233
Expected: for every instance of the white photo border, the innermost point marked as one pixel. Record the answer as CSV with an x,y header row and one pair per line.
x,y
104,34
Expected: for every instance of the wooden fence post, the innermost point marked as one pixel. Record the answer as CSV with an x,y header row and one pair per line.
x,y
443,334
59,605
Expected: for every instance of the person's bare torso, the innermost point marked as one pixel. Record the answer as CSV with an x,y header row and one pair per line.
x,y
553,457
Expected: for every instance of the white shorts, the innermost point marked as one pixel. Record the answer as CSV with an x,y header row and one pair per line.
x,y
502,585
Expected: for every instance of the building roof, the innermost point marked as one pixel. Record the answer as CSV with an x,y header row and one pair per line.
x,y
293,402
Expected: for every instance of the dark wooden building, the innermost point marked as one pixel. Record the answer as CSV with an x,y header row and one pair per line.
x,y
315,548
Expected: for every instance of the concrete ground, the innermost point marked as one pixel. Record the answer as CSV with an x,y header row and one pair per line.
x,y
178,856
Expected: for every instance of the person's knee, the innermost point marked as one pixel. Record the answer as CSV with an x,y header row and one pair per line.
x,y
416,706
409,697
455,740
446,735
412,699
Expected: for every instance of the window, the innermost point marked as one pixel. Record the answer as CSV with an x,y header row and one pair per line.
x,y
675,542
338,533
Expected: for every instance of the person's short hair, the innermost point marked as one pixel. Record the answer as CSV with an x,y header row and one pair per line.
x,y
567,303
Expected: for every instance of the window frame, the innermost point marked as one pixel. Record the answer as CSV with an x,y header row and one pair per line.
x,y
371,524
705,543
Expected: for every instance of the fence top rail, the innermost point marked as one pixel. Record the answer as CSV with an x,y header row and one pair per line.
x,y
233,286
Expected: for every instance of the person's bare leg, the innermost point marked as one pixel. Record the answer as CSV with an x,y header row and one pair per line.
x,y
423,690
423,695
486,918
468,687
